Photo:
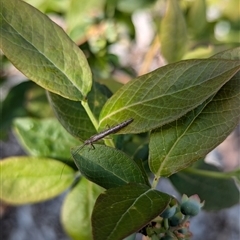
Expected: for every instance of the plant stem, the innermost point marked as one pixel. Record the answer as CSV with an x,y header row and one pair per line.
x,y
155,182
221,175
90,114
108,142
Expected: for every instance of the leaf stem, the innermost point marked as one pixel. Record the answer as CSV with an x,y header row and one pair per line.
x,y
221,175
108,142
155,182
90,114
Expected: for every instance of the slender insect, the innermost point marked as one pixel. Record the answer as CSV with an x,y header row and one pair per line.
x,y
103,134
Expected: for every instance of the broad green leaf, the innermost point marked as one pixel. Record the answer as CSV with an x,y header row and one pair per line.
x,y
107,167
73,116
13,106
173,32
31,179
197,17
45,138
180,143
217,189
177,145
42,51
77,210
124,210
167,93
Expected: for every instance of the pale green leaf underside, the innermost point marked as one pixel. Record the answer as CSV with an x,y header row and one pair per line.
x,y
44,138
42,51
107,167
124,210
31,179
166,94
77,209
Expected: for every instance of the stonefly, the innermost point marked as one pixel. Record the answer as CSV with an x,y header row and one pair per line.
x,y
103,134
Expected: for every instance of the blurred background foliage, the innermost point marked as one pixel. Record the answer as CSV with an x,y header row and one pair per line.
x,y
123,39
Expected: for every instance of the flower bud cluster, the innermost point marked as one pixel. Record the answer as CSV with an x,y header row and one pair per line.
x,y
173,223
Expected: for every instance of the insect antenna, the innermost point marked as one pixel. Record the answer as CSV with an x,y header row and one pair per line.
x,y
78,149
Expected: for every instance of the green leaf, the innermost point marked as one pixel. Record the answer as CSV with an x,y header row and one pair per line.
x,y
37,103
199,52
124,210
55,6
107,167
73,116
177,145
197,17
77,210
14,101
217,189
45,138
42,51
173,33
31,179
167,93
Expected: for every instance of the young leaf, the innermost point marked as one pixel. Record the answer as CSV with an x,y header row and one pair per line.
x,y
44,138
42,51
173,32
77,210
124,210
217,189
31,179
107,167
167,93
